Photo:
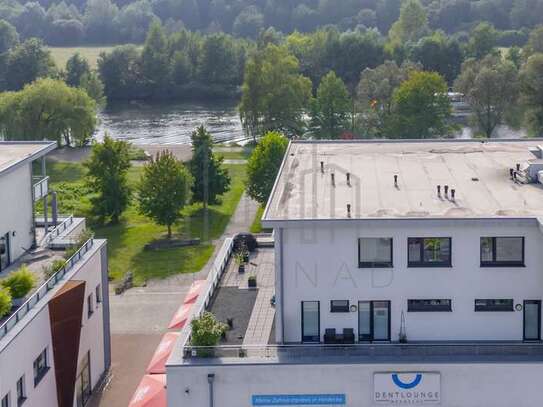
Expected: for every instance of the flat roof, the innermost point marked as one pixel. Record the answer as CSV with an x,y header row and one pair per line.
x,y
14,153
477,170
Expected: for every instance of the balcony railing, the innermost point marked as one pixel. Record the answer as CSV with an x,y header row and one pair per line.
x,y
56,232
35,298
421,351
40,187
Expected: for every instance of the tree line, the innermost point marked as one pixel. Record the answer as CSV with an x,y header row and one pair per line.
x,y
75,22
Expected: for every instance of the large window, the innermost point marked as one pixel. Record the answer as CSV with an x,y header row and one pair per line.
x,y
5,401
90,306
310,321
21,391
436,305
502,251
375,252
83,382
40,367
339,306
495,305
429,252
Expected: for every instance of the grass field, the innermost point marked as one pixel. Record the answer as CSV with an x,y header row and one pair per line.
x,y
126,240
62,54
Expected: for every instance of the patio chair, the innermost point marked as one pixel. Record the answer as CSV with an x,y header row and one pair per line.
x,y
330,335
348,335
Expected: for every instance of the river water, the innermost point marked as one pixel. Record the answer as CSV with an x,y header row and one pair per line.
x,y
173,123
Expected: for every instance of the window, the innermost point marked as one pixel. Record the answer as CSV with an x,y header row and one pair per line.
x,y
5,401
339,306
374,252
21,391
310,321
502,251
494,305
40,367
83,382
429,305
429,252
90,309
98,294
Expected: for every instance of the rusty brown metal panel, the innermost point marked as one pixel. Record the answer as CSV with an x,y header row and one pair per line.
x,y
65,314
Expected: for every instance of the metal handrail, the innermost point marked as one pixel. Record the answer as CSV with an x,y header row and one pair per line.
x,y
61,227
43,185
34,299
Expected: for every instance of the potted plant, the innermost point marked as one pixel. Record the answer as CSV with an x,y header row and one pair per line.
x,y
251,282
206,333
19,283
239,258
5,302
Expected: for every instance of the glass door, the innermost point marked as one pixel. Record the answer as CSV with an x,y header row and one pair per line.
x,y
373,321
532,320
364,321
4,251
310,321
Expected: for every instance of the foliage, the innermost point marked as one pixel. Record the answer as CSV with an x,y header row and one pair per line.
x,y
93,87
20,282
490,87
412,24
206,330
80,240
5,302
531,85
8,36
421,106
51,269
107,169
49,108
482,41
210,177
76,68
535,42
330,109
264,164
164,189
274,92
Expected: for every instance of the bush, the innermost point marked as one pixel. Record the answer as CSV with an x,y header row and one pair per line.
x,y
206,331
81,240
5,301
53,268
20,282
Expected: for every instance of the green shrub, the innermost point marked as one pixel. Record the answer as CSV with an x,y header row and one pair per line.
x,y
52,268
79,242
5,301
206,331
20,282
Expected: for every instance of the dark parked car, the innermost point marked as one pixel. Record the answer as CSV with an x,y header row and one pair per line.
x,y
248,239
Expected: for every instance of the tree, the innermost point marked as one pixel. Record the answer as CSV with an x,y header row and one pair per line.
x,y
27,62
134,21
274,94
206,331
330,109
107,170
531,85
49,108
164,189
76,67
210,178
412,24
535,42
155,62
120,72
482,40
421,106
93,86
5,301
248,23
264,164
490,87
8,36
100,17
31,21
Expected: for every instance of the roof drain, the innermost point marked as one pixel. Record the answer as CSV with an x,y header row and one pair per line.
x,y
332,176
348,179
322,167
453,191
348,210
395,180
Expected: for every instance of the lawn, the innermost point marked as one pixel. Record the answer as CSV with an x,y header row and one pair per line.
x,y
126,240
62,54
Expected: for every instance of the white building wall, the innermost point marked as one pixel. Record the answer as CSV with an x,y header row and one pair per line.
x,y
321,263
16,213
462,385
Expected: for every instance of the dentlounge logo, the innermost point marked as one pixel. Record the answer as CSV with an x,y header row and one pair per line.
x,y
407,388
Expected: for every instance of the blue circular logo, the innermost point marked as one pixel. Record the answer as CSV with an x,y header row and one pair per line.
x,y
403,385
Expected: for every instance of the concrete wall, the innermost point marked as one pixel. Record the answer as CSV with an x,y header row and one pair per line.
x,y
462,385
16,213
321,263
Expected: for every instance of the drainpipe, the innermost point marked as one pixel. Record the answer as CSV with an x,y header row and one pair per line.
x,y
281,286
210,379
45,223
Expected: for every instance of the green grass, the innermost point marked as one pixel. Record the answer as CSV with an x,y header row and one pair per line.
x,y
127,239
62,54
233,155
256,226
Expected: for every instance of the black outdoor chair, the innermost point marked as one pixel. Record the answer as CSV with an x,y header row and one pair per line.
x,y
330,335
348,335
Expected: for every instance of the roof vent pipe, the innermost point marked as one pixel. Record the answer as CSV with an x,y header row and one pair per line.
x,y
396,180
452,194
349,210
439,190
333,180
322,167
511,172
518,167
446,189
348,178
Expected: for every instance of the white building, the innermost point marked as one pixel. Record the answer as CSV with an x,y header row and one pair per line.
x,y
405,273
55,343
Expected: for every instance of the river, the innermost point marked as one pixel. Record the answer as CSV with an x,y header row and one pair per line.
x,y
173,122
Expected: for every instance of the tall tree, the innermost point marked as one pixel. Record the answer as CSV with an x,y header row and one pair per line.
x,y
412,24
421,106
264,164
490,87
210,178
107,169
482,40
535,42
76,67
274,93
8,36
164,189
531,85
155,61
330,109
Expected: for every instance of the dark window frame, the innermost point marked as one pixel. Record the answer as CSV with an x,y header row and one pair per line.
x,y
40,372
312,339
494,307
98,294
21,395
413,307
339,308
376,264
500,263
422,262
538,303
90,306
5,400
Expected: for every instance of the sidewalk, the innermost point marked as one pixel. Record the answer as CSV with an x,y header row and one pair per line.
x,y
139,318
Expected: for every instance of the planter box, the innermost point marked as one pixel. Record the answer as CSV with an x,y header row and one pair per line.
x,y
251,283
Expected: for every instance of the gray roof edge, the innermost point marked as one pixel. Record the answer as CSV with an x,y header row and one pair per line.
x,y
276,182
48,146
421,140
